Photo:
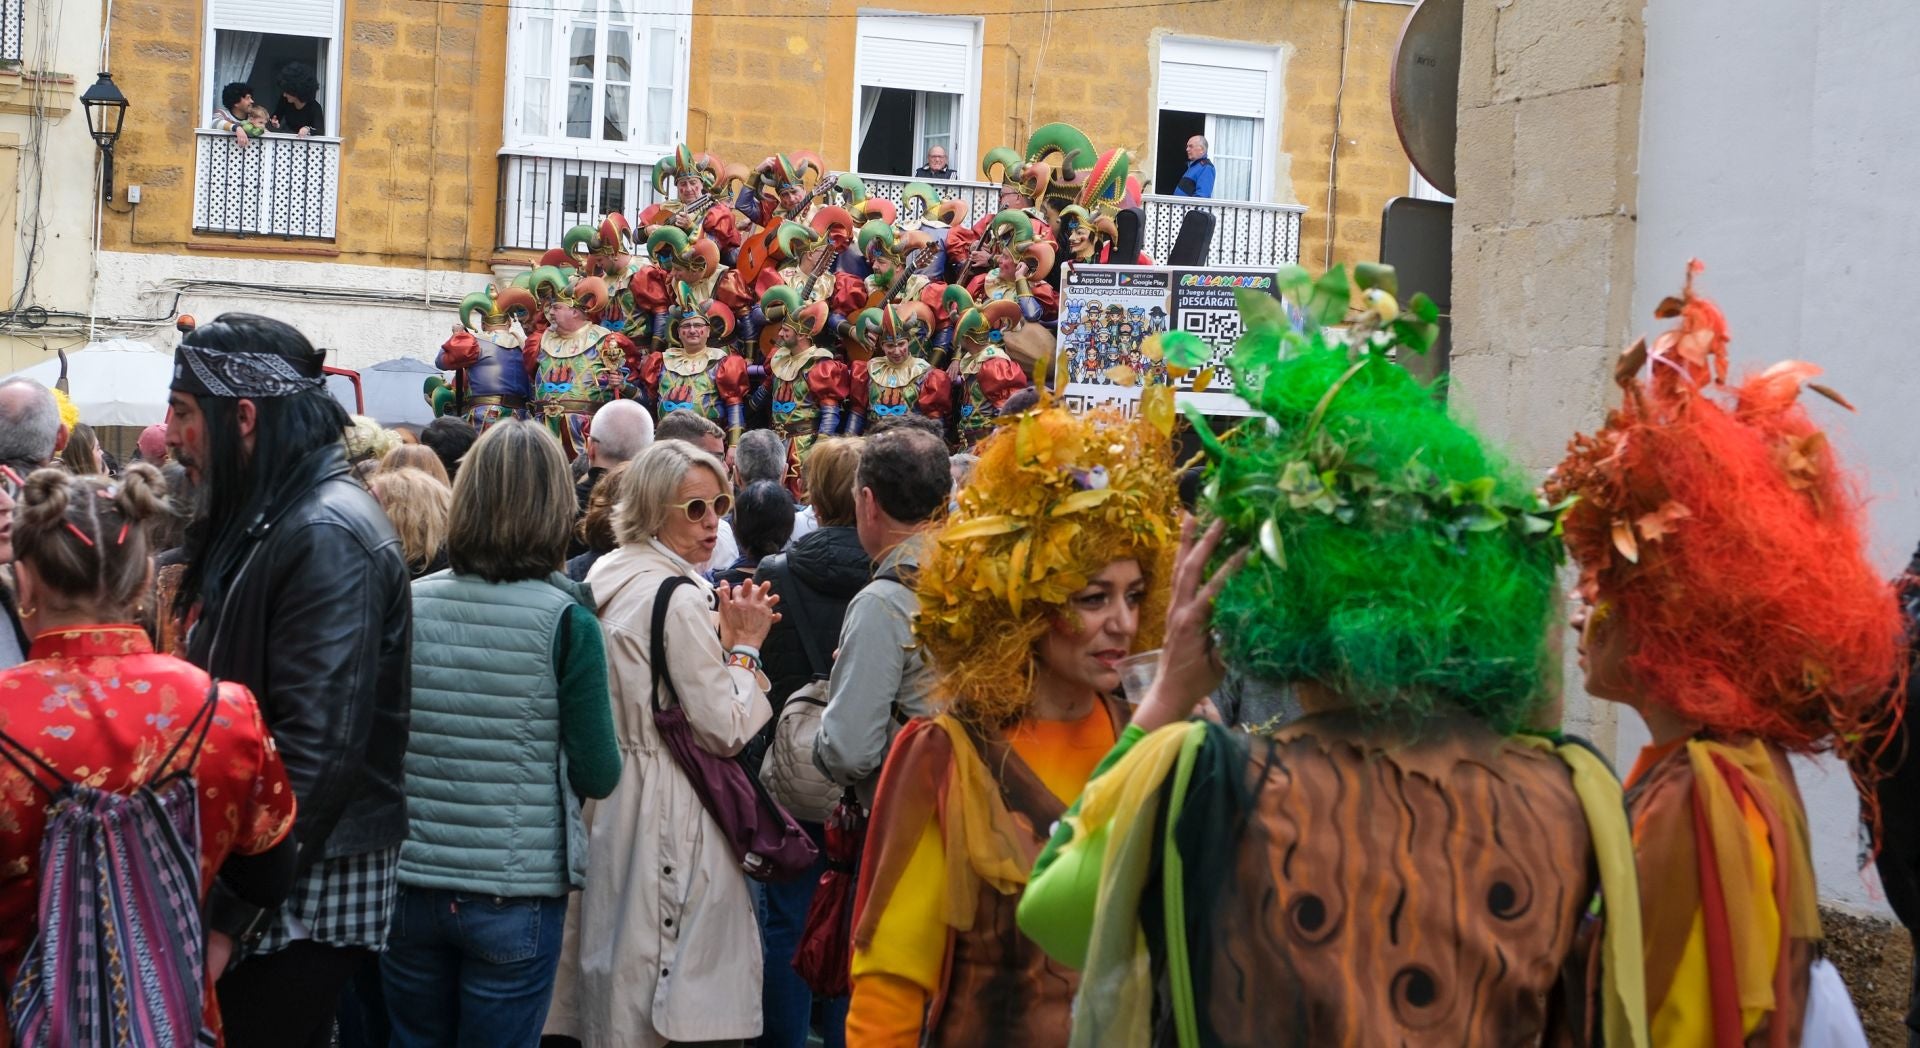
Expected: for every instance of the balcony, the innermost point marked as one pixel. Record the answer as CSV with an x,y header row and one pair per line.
x,y
1259,236
274,186
543,197
13,30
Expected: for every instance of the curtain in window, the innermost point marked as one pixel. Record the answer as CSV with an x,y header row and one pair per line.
x,y
869,106
936,125
1235,141
233,55
537,91
663,48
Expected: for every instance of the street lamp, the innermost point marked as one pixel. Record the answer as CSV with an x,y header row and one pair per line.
x,y
106,110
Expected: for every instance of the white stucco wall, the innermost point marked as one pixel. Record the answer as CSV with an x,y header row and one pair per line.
x,y
62,273
357,330
1777,145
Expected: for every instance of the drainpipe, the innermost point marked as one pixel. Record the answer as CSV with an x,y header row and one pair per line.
x,y
1333,155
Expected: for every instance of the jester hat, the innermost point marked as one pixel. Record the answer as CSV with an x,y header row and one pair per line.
x,y
1055,498
787,171
554,286
497,307
892,322
1400,560
883,246
1716,527
614,237
687,305
683,161
1013,229
672,248
976,323
1031,173
781,303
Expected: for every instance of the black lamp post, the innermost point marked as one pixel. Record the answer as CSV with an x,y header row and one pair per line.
x,y
106,110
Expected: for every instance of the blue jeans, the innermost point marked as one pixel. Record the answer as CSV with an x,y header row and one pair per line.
x,y
786,1005
466,969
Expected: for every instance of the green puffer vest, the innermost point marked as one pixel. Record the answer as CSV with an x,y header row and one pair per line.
x,y
488,805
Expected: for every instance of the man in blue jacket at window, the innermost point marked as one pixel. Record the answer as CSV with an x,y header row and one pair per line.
x,y
1198,181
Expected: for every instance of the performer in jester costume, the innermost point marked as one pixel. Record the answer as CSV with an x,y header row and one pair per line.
x,y
1030,184
984,376
486,354
1021,262
895,260
695,372
576,365
702,187
695,263
608,253
1413,861
896,379
1053,566
1729,598
809,386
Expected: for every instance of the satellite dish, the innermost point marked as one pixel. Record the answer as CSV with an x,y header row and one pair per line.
x,y
1425,89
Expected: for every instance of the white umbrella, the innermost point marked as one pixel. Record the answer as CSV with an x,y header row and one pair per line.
x,y
118,382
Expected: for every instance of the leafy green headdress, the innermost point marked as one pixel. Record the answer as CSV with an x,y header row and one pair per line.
x,y
1401,562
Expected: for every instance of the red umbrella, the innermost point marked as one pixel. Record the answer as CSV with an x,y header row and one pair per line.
x,y
825,957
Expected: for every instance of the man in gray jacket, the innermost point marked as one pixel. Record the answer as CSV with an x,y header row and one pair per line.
x,y
880,679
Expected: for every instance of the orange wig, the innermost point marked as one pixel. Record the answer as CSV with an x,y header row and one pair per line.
x,y
1717,521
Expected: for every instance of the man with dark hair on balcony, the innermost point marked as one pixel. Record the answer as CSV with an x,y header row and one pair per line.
x,y
299,111
236,112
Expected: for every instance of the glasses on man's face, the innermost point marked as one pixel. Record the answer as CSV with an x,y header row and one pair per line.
x,y
696,509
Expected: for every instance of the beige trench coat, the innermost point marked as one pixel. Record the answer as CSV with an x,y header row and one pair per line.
x,y
661,944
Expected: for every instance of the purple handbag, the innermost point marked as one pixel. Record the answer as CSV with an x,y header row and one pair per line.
x,y
766,840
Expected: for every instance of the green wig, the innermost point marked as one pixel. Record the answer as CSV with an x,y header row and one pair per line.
x,y
1399,560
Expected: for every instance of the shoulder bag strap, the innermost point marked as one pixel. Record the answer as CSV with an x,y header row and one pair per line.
x,y
820,662
197,729
657,655
12,749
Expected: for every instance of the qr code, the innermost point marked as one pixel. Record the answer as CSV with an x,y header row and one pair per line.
x,y
1218,328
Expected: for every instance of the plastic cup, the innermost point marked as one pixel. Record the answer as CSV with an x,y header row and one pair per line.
x,y
1136,675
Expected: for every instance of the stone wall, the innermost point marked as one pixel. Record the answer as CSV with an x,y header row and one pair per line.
x,y
420,102
763,84
1543,234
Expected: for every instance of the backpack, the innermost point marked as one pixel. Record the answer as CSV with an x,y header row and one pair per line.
x,y
118,954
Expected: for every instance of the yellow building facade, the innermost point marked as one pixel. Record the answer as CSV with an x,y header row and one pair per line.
x,y
458,139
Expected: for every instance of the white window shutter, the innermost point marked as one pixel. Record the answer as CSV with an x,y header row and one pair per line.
x,y
914,54
285,17
1198,77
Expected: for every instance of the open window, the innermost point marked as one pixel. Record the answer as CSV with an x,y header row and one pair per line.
x,y
252,41
916,86
1227,94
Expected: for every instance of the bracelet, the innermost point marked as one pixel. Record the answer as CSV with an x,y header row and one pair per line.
x,y
750,663
745,649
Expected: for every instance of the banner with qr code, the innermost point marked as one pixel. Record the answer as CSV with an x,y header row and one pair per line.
x,y
1106,312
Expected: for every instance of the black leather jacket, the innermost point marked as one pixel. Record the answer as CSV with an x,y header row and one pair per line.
x,y
317,621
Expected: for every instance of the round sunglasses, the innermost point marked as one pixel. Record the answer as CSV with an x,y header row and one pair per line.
x,y
696,509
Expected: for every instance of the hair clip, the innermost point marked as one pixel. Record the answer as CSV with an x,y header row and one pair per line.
x,y
122,540
78,534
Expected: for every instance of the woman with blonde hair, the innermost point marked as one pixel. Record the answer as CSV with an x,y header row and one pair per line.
x,y
419,507
415,456
510,730
663,945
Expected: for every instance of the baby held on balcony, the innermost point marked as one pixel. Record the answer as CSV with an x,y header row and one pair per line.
x,y
238,113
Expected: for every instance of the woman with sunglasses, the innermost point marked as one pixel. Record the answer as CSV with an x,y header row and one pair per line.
x,y
662,946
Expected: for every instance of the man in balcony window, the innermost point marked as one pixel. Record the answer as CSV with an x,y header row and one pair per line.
x,y
1198,181
936,166
299,112
237,113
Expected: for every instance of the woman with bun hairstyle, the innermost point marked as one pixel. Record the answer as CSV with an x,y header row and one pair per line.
x,y
1728,597
95,704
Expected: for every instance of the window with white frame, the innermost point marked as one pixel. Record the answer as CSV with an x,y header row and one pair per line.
x,y
1228,94
603,78
916,86
253,41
